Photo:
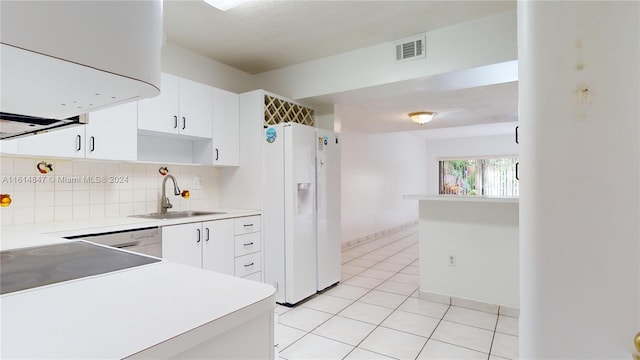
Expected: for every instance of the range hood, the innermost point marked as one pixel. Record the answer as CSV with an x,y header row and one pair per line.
x,y
63,59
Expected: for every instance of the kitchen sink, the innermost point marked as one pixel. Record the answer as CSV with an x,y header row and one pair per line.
x,y
177,214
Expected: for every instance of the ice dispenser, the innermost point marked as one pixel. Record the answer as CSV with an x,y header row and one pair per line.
x,y
305,199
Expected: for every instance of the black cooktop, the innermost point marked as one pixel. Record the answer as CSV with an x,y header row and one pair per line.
x,y
27,268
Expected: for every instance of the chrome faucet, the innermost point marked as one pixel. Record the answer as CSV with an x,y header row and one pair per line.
x,y
164,201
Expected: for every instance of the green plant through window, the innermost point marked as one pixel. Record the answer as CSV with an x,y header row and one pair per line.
x,y
486,177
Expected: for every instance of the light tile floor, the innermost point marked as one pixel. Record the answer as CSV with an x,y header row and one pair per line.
x,y
375,313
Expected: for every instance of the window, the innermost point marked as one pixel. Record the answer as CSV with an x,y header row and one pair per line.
x,y
485,177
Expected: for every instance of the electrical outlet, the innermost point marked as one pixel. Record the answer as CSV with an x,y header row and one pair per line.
x,y
452,260
197,183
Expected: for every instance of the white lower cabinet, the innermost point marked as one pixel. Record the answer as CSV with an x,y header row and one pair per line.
x,y
208,245
217,248
229,246
248,248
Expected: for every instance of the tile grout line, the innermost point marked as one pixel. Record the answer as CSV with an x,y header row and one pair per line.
x,y
493,337
354,301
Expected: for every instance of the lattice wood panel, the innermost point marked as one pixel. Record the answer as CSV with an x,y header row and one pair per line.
x,y
277,111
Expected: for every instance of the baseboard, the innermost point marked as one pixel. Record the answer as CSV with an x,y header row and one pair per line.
x,y
470,304
380,234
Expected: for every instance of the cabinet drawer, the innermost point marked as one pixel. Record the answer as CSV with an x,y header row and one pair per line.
x,y
248,224
247,244
248,264
255,277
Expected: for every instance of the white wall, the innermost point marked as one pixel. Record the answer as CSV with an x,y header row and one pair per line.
x,y
187,64
580,164
377,170
483,237
495,145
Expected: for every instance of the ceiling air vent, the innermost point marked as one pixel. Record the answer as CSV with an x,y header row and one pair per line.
x,y
410,48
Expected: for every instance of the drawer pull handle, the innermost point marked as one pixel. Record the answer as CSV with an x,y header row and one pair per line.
x,y
249,244
247,265
247,225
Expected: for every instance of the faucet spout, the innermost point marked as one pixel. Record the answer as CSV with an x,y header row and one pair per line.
x,y
165,204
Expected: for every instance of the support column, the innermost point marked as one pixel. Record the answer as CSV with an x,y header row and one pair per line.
x,y
579,99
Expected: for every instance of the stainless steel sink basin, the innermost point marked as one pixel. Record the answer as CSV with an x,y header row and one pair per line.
x,y
177,214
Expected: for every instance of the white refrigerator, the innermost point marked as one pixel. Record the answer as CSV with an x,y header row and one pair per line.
x,y
289,211
301,210
328,179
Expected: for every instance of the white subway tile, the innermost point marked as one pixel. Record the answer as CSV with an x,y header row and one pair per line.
x,y
46,183
44,214
81,198
24,166
22,184
112,210
97,211
23,215
81,212
6,215
96,197
23,199
6,165
44,198
63,167
81,168
112,196
63,213
139,208
139,195
63,198
126,209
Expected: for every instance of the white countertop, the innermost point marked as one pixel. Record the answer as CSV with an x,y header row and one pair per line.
x,y
462,198
118,314
19,236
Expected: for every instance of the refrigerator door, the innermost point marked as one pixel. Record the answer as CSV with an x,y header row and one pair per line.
x,y
289,211
273,209
329,242
300,212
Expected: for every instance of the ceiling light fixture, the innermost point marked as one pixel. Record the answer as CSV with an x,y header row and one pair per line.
x,y
225,5
421,117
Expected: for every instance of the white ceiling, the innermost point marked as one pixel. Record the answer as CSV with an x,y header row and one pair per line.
x,y
260,36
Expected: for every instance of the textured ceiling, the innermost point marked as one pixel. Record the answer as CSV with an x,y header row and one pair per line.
x,y
259,36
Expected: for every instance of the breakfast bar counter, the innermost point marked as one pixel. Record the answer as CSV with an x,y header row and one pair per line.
x,y
469,249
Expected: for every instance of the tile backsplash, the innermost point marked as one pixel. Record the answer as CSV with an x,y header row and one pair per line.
x,y
84,189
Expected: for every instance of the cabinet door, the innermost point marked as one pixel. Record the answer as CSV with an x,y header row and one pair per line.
x,y
161,113
218,246
68,142
226,128
112,133
196,108
183,243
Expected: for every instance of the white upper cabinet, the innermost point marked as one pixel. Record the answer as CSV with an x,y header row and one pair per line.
x,y
109,135
67,143
112,133
226,128
184,107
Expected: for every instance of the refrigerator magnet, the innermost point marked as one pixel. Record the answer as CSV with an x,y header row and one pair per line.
x,y
271,135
